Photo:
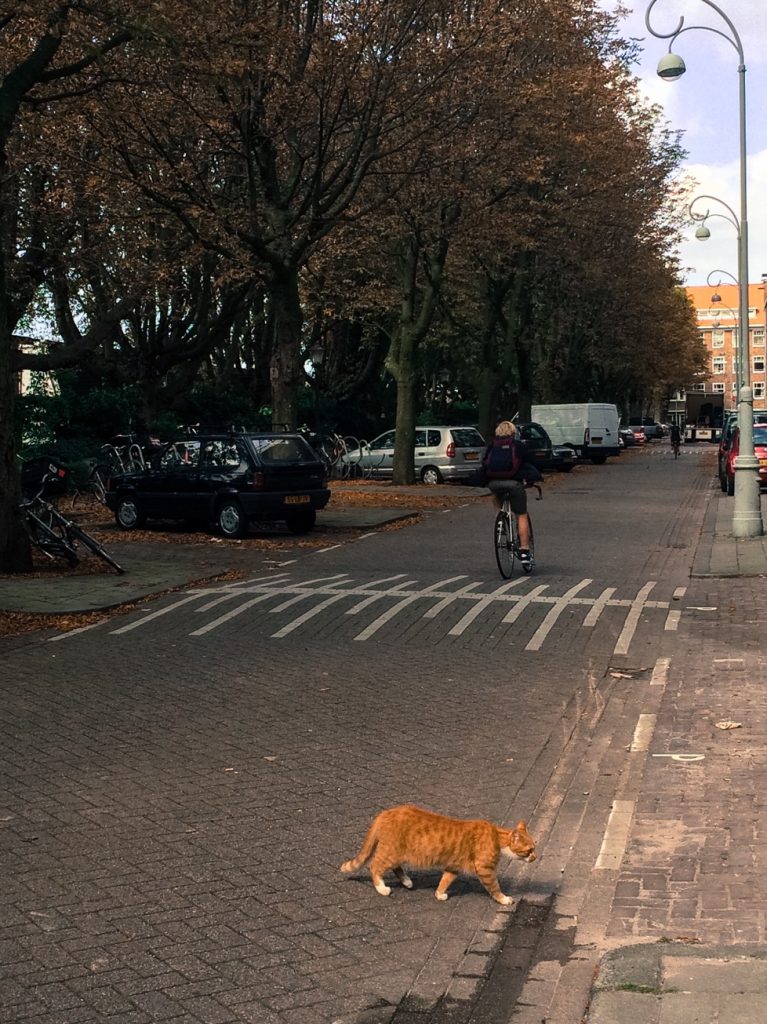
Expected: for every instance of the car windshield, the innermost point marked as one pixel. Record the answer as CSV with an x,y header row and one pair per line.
x,y
283,449
467,437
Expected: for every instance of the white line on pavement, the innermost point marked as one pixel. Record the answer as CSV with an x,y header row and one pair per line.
x,y
672,620
523,603
632,619
598,607
480,606
616,836
552,615
660,672
156,615
645,727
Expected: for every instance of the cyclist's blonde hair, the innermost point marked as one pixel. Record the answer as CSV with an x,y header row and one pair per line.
x,y
505,429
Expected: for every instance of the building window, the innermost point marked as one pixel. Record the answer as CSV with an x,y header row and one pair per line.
x,y
717,339
758,389
699,387
758,364
757,337
718,389
717,364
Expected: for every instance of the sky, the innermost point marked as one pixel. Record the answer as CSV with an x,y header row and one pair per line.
x,y
703,103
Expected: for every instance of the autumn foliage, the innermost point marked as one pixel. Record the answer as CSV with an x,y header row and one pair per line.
x,y
470,193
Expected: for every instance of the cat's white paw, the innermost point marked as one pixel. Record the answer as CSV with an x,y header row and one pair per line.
x,y
383,889
506,900
407,881
441,896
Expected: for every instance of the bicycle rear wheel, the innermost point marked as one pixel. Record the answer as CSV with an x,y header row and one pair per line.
x,y
50,542
504,545
99,481
79,534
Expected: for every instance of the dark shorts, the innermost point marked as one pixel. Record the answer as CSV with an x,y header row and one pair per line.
x,y
516,491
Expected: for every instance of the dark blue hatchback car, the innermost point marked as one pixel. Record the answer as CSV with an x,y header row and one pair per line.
x,y
229,480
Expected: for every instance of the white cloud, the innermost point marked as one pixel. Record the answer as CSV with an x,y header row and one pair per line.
x,y
720,251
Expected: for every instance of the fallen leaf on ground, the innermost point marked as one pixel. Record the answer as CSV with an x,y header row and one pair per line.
x,y
728,725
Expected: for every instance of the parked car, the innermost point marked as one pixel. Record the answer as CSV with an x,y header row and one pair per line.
x,y
230,480
632,434
626,437
727,480
441,453
542,452
728,426
652,431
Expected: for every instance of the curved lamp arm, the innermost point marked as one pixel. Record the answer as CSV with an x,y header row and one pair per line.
x,y
700,217
726,273
734,39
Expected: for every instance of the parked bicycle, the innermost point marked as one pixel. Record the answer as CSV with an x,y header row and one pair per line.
x,y
506,538
339,455
54,534
123,454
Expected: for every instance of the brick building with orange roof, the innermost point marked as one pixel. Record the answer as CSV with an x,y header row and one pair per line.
x,y
717,315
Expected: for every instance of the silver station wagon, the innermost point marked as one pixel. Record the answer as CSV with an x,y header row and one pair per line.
x,y
441,454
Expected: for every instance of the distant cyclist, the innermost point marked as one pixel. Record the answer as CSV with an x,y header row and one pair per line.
x,y
508,468
675,436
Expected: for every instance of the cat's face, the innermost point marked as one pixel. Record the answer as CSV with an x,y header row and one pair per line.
x,y
522,844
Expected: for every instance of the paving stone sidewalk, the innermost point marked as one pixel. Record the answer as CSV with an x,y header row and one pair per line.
x,y
155,568
688,915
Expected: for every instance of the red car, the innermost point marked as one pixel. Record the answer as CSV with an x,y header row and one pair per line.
x,y
760,451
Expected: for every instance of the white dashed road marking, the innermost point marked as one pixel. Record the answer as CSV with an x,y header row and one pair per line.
x,y
474,600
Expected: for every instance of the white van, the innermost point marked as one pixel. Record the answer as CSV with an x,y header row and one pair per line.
x,y
591,428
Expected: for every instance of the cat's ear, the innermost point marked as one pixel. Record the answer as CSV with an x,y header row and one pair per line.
x,y
521,826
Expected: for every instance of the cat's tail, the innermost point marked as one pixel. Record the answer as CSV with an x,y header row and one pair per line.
x,y
368,846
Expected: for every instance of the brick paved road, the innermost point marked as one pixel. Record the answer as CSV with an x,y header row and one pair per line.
x,y
178,791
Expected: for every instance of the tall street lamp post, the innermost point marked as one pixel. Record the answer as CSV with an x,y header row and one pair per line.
x,y
747,516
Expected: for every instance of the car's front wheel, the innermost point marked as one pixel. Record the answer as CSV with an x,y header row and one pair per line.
x,y
230,520
128,514
301,522
431,475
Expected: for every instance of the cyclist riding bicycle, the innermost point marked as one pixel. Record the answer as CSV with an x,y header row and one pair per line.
x,y
508,469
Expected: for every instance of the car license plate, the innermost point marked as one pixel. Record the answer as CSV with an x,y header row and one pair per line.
x,y
297,499
470,456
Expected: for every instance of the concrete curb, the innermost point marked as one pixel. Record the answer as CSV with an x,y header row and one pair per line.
x,y
658,982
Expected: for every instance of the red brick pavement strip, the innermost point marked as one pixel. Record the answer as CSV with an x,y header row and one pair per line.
x,y
693,880
696,862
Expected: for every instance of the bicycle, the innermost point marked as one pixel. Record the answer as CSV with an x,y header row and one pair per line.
x,y
506,538
55,535
116,457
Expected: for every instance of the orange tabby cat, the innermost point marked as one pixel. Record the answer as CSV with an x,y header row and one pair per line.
x,y
409,834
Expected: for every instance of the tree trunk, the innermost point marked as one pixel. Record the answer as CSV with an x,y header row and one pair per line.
x,y
399,363
412,328
15,552
285,372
